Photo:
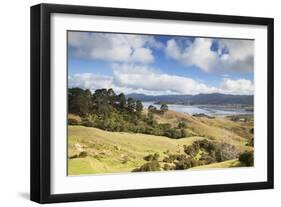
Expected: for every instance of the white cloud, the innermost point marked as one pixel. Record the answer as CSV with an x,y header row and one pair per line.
x,y
90,81
130,78
240,86
114,47
146,78
199,53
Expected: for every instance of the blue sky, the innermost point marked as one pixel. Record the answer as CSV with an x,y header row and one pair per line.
x,y
154,64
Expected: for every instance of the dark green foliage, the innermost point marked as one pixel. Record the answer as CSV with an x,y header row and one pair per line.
x,y
164,108
152,157
87,123
72,121
149,166
139,107
247,158
175,133
121,101
180,161
252,130
168,167
182,124
109,111
170,159
152,109
211,151
131,105
79,101
185,162
250,142
82,154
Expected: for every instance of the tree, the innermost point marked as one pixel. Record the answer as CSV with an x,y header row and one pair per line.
x,y
151,109
109,111
79,101
164,108
101,102
131,104
111,95
247,158
122,100
139,107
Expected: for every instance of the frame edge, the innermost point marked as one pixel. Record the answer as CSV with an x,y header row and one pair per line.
x,y
40,92
35,139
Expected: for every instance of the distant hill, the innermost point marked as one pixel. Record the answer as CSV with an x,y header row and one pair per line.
x,y
204,99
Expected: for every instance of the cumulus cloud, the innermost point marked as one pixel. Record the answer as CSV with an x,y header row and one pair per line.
x,y
130,78
90,81
114,47
147,78
240,86
239,55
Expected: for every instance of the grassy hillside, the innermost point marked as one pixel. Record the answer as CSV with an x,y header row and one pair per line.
x,y
111,152
225,164
219,128
116,151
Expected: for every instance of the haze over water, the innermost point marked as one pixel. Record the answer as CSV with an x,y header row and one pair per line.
x,y
210,110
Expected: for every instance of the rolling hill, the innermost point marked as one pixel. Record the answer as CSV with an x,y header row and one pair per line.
x,y
200,99
115,152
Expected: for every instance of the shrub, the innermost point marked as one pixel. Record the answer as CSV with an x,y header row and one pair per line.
x,y
174,133
83,154
247,158
71,121
182,124
225,151
252,130
213,151
87,123
152,157
250,142
149,166
169,159
168,167
183,163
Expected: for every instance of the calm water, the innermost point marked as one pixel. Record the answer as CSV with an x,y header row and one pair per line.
x,y
206,109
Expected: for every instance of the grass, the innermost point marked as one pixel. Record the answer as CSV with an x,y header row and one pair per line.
x,y
112,152
225,164
116,151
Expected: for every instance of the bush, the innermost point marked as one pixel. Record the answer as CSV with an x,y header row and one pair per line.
x,y
152,157
213,151
225,151
149,166
88,123
182,124
247,158
169,159
168,167
174,133
71,121
250,142
185,163
83,154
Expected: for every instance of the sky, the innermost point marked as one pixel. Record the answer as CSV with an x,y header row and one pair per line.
x,y
160,64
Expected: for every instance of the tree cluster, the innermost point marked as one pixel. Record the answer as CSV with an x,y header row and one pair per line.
x,y
109,111
201,152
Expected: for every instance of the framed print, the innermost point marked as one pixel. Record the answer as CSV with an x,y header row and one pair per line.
x,y
133,103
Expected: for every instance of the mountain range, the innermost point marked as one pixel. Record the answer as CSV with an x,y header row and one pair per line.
x,y
200,99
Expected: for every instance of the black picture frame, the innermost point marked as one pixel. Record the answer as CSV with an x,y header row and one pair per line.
x,y
41,97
